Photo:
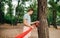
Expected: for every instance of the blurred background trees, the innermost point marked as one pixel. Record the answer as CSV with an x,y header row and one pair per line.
x,y
54,10
2,11
7,14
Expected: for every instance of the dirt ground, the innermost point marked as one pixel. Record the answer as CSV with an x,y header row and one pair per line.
x,y
7,31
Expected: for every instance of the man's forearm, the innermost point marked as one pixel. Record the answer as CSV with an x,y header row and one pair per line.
x,y
27,25
33,22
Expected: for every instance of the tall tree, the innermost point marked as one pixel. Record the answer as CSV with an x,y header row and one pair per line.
x,y
10,11
2,11
43,27
19,11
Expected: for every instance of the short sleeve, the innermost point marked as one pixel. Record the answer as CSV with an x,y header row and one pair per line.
x,y
25,16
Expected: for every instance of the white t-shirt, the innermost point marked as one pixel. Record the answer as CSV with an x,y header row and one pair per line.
x,y
28,18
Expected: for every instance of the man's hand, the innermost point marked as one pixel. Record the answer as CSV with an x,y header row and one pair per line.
x,y
34,22
33,26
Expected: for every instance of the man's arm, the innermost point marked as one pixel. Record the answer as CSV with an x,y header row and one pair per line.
x,y
34,22
25,23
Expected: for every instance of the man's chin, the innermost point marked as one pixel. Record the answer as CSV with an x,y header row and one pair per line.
x,y
30,14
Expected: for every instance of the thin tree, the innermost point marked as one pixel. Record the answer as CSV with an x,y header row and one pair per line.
x,y
10,11
2,11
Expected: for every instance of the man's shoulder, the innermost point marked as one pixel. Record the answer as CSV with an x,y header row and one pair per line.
x,y
26,14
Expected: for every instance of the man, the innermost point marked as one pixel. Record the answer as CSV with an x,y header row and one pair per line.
x,y
27,22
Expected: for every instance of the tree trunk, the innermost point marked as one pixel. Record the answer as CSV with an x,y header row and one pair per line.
x,y
54,18
1,12
43,27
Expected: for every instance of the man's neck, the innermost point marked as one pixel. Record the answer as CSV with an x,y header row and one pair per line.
x,y
28,13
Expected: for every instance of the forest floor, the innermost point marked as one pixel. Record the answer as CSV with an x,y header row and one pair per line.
x,y
10,31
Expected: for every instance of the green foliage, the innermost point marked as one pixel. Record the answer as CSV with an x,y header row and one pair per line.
x,y
49,15
9,18
58,18
10,9
21,10
23,1
55,6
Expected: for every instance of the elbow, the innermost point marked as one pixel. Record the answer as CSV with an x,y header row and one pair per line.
x,y
24,23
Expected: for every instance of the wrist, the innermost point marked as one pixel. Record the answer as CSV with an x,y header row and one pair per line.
x,y
31,26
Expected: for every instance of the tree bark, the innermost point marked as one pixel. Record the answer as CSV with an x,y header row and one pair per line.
x,y
43,27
